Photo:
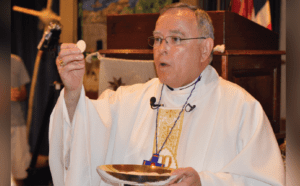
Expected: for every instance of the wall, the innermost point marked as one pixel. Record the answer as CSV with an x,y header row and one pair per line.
x,y
68,10
293,93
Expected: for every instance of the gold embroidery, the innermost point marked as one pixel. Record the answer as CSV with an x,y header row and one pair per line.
x,y
164,160
165,121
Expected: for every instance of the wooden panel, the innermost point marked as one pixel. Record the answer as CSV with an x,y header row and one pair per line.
x,y
250,52
130,31
242,62
143,54
236,32
225,67
217,18
260,85
148,54
257,74
243,34
126,51
239,33
131,56
260,76
217,63
262,88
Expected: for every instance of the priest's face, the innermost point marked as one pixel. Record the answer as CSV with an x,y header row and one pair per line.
x,y
178,65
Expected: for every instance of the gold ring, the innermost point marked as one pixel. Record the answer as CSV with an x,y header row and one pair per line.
x,y
61,63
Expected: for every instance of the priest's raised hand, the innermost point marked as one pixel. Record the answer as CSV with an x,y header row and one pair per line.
x,y
71,66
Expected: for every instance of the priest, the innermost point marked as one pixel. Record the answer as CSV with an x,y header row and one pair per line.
x,y
210,130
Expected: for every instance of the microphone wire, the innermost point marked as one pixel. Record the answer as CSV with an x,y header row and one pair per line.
x,y
157,115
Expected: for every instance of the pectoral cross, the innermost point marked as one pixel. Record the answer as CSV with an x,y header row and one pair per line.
x,y
153,161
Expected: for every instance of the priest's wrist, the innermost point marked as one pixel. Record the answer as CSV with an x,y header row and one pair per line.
x,y
71,99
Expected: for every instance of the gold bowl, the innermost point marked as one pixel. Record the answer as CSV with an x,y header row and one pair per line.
x,y
135,174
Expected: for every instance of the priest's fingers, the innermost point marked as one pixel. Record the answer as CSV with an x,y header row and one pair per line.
x,y
176,180
72,65
67,45
64,60
186,176
69,52
67,49
71,73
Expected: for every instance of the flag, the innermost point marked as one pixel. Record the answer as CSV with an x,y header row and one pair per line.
x,y
255,10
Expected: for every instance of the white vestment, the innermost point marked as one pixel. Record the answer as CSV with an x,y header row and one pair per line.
x,y
227,138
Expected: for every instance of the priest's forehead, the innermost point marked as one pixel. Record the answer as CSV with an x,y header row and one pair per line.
x,y
204,21
173,31
179,21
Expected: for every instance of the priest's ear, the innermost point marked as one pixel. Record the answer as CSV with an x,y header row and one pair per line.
x,y
207,46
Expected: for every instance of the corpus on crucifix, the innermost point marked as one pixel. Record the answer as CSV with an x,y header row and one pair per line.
x,y
46,15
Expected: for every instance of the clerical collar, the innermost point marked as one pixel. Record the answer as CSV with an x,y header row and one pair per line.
x,y
183,87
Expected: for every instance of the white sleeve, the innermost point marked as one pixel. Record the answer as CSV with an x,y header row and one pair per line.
x,y
70,144
258,161
58,120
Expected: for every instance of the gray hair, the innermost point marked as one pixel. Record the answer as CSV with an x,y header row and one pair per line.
x,y
205,26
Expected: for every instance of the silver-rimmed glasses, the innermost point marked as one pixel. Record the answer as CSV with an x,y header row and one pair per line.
x,y
155,41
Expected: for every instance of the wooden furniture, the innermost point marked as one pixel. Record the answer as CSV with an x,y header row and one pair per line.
x,y
258,72
251,58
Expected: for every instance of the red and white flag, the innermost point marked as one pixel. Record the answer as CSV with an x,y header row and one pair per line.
x,y
256,10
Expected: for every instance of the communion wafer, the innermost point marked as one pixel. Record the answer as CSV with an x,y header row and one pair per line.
x,y
81,45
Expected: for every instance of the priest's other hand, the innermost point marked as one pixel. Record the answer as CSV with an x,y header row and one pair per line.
x,y
186,176
71,66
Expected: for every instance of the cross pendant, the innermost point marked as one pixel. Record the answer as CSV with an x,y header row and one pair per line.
x,y
153,161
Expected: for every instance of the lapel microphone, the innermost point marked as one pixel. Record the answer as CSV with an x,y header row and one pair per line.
x,y
189,107
152,103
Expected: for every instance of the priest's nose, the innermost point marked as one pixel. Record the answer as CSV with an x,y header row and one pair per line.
x,y
163,48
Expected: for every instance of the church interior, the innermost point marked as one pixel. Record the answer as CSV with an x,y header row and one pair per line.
x,y
245,52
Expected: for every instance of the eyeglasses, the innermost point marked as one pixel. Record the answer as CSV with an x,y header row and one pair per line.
x,y
170,40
